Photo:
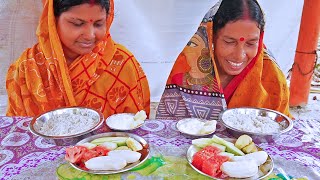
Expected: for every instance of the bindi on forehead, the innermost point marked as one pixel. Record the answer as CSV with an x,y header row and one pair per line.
x,y
241,39
92,2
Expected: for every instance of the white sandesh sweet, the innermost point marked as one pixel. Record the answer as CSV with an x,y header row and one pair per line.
x,y
106,163
259,157
128,155
240,169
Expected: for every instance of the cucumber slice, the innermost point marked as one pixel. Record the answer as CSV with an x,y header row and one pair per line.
x,y
109,145
229,155
88,145
229,146
120,141
219,146
202,142
133,144
123,148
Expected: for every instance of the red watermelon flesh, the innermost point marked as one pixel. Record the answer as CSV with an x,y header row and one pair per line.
x,y
208,161
204,154
212,165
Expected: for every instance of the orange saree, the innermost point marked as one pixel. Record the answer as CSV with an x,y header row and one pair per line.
x,y
193,88
108,79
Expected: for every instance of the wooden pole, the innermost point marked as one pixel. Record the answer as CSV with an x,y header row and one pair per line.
x,y
305,57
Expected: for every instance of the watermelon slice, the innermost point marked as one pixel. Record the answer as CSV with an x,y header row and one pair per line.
x,y
212,166
203,155
74,154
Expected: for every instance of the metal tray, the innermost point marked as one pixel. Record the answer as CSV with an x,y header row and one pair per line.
x,y
264,169
144,152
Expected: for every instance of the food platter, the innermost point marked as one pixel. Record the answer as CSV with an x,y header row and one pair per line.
x,y
144,152
264,170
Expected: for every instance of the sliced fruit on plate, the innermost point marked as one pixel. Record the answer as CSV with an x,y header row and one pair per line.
x,y
243,141
204,154
74,154
102,151
120,141
88,155
211,167
133,144
229,146
229,155
250,148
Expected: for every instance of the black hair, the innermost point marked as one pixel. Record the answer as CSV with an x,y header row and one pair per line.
x,y
61,6
233,10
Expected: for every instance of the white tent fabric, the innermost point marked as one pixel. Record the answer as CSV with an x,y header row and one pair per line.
x,y
154,30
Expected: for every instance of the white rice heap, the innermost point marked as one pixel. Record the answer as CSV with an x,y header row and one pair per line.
x,y
252,123
66,124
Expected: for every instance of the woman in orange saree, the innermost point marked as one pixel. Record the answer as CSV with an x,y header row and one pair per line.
x,y
225,65
76,63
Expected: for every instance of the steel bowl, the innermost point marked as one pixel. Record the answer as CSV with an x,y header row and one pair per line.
x,y
284,121
264,170
182,121
117,117
144,152
71,139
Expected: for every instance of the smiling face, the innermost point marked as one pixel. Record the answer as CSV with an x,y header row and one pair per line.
x,y
236,44
80,29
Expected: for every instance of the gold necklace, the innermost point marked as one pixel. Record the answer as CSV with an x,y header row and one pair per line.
x,y
199,81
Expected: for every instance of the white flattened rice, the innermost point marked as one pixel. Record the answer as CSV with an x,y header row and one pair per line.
x,y
67,123
252,123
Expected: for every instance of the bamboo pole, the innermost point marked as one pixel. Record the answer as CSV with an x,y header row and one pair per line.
x,y
305,57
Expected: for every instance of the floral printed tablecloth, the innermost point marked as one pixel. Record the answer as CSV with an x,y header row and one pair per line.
x,y
26,156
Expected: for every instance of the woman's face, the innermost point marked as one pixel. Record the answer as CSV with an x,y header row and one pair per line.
x,y
193,50
236,45
81,28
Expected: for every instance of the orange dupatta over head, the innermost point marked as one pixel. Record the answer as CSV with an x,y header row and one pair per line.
x,y
108,79
193,88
